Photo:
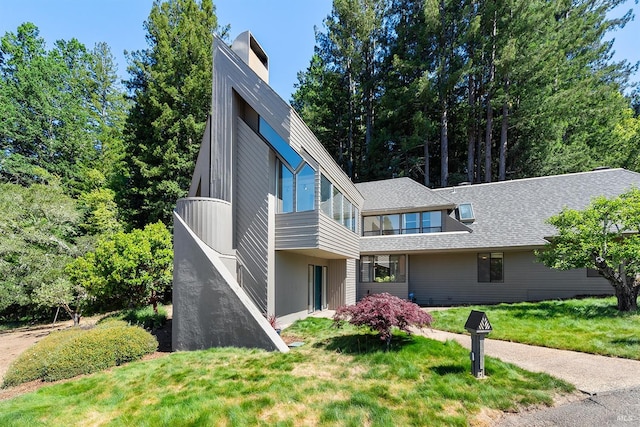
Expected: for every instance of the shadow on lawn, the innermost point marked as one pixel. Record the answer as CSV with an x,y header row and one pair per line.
x,y
363,343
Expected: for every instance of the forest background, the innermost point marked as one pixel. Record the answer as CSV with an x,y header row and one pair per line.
x,y
441,91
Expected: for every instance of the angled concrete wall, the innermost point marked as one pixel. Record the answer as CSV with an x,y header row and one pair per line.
x,y
210,309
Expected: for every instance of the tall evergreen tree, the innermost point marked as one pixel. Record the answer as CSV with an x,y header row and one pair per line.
x,y
170,85
43,108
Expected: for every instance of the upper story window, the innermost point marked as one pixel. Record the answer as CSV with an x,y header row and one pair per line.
x,y
465,212
295,191
279,144
336,205
406,223
305,189
432,222
390,224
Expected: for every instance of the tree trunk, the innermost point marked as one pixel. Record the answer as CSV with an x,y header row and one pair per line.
x,y
627,296
444,146
427,171
502,167
492,73
471,144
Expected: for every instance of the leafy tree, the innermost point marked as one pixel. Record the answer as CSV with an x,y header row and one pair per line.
x,y
603,236
40,226
61,110
171,89
382,312
127,269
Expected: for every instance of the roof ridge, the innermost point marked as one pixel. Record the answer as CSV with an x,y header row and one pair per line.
x,y
535,178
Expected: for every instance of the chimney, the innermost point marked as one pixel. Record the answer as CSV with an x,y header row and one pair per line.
x,y
250,51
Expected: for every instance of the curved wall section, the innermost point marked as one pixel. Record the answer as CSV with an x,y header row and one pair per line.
x,y
210,220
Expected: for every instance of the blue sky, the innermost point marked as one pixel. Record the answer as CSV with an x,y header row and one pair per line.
x,y
284,28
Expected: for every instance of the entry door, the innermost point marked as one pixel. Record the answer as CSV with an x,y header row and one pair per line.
x,y
317,287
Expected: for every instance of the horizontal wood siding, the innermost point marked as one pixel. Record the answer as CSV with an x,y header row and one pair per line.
x,y
252,213
445,279
336,283
350,291
313,230
336,238
298,230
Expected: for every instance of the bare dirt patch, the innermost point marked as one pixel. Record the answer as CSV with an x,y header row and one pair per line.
x,y
14,342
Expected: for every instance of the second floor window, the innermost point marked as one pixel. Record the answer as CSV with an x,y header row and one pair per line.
x,y
406,223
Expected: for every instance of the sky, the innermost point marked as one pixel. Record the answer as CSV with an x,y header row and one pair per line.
x,y
284,28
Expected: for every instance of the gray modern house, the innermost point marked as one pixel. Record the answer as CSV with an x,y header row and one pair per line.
x,y
273,227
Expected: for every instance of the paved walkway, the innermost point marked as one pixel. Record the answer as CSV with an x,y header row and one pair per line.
x,y
590,373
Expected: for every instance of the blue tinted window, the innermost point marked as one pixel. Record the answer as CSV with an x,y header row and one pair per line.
x,y
305,189
279,144
431,222
285,189
325,195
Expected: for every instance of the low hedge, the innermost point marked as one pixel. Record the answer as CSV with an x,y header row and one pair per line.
x,y
76,351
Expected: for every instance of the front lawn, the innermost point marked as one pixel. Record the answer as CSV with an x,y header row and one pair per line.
x,y
590,325
338,377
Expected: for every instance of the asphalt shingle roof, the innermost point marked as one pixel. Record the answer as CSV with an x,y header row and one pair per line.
x,y
509,213
399,194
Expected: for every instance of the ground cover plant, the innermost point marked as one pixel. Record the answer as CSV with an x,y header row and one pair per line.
x,y
590,325
338,377
71,352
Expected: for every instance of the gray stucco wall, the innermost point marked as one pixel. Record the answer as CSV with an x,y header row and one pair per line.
x,y
444,279
209,308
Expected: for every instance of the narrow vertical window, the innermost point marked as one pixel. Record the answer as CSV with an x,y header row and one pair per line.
x,y
337,205
325,196
305,189
285,189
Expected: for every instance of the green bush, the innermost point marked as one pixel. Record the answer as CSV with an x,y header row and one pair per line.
x,y
144,317
76,351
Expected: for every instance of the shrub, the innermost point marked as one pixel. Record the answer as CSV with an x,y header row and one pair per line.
x,y
76,351
144,317
382,312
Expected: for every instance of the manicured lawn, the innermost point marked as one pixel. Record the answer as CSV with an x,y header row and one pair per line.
x,y
338,377
591,325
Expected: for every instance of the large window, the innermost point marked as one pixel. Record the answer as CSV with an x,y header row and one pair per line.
x,y
337,206
410,223
305,189
390,224
406,223
490,267
431,222
383,268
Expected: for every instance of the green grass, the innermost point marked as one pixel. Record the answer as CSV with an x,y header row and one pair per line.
x,y
339,377
590,325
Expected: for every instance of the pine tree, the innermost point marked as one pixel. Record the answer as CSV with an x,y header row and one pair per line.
x,y
171,89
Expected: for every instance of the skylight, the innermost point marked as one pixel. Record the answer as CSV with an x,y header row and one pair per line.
x,y
465,212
